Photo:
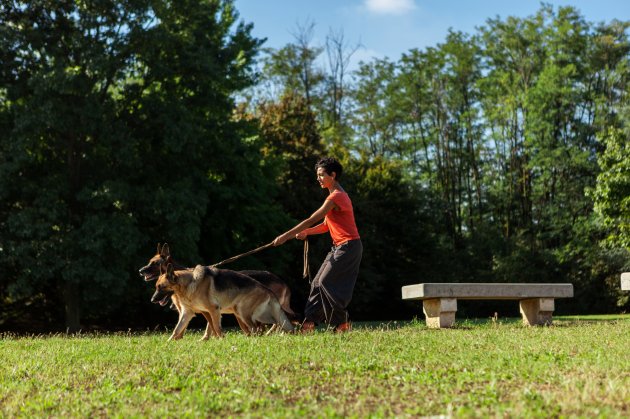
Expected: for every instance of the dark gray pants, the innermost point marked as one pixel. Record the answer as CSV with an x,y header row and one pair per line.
x,y
332,287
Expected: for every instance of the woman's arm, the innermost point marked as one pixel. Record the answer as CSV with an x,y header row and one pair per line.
x,y
318,229
315,217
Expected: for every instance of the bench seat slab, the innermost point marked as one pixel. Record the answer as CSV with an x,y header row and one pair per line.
x,y
486,291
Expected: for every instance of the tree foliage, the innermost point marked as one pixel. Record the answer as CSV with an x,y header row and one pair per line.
x,y
612,193
117,131
494,156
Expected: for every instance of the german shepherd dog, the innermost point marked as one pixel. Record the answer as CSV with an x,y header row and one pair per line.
x,y
213,291
151,271
282,291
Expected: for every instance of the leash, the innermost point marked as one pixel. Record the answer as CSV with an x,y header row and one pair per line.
x,y
242,255
307,271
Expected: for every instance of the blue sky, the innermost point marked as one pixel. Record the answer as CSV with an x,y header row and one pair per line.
x,y
388,28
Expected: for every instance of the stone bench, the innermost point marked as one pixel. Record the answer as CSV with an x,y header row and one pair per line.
x,y
439,300
625,281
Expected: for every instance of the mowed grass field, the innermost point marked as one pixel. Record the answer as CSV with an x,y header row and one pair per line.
x,y
580,367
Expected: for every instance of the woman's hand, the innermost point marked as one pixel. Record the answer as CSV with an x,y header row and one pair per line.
x,y
280,239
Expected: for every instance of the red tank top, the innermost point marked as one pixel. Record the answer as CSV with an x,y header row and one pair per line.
x,y
340,222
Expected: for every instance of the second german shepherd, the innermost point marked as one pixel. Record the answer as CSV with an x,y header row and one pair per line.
x,y
210,290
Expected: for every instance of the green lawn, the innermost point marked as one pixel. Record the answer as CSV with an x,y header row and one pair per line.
x,y
578,367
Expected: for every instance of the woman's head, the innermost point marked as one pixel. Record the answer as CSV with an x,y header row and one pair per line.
x,y
330,165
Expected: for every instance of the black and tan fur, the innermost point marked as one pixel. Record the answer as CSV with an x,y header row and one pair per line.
x,y
215,291
281,290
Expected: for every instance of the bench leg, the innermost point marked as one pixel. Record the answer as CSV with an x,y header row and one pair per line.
x,y
537,311
439,312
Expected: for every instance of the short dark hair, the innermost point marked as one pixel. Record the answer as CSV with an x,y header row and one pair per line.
x,y
330,165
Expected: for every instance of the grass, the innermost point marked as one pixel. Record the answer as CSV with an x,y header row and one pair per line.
x,y
578,367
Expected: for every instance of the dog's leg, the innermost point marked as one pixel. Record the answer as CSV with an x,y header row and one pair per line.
x,y
255,325
182,324
243,325
176,303
245,320
210,329
215,315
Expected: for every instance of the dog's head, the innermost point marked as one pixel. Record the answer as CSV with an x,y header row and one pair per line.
x,y
152,270
165,285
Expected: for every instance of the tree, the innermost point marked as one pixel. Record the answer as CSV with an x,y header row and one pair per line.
x,y
335,113
116,128
551,73
290,136
339,54
294,66
612,193
376,119
400,239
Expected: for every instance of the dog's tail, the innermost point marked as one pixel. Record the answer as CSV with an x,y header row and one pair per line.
x,y
295,318
200,272
285,301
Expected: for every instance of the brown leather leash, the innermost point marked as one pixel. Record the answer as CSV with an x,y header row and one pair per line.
x,y
306,273
242,255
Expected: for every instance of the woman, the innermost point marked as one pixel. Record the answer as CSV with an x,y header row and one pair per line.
x,y
332,287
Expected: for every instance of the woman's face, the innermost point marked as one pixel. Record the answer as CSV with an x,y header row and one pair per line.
x,y
325,180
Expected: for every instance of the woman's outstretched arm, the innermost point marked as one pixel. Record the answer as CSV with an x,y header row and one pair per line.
x,y
315,217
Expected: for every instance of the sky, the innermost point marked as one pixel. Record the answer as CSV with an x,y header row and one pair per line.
x,y
389,28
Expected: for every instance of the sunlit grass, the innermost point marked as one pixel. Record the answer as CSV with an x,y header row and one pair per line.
x,y
578,367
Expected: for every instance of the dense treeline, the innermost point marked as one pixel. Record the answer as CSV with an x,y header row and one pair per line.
x,y
495,156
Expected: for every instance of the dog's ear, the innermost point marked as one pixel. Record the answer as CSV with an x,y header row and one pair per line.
x,y
166,252
159,250
162,268
170,273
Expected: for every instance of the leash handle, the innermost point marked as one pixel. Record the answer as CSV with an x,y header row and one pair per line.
x,y
307,271
242,255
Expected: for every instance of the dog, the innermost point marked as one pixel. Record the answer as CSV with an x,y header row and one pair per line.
x,y
213,291
151,271
282,291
